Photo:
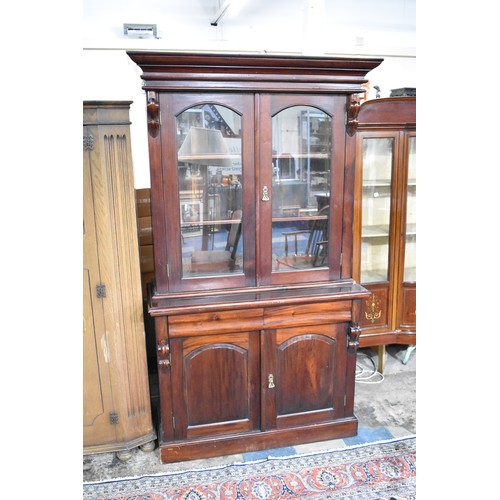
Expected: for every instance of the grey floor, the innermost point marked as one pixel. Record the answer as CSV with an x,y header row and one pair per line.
x,y
384,404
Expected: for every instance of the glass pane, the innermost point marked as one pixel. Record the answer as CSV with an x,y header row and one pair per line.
x,y
411,214
376,208
210,186
301,152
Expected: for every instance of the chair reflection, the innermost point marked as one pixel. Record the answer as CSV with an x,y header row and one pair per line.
x,y
219,260
316,251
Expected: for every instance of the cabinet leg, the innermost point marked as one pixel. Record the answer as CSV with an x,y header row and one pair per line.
x,y
147,447
124,455
381,358
409,350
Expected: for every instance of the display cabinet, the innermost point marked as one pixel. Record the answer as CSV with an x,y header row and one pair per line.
x,y
116,403
252,206
385,220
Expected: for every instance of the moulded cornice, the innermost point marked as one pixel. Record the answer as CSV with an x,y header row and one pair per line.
x,y
167,70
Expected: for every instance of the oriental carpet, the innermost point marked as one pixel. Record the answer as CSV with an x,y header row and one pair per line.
x,y
384,470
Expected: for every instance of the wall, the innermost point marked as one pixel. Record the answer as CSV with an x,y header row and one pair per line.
x,y
313,27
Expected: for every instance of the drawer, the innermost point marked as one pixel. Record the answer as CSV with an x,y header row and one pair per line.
x,y
308,314
212,323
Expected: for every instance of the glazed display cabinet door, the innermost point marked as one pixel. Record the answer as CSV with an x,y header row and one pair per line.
x,y
378,154
407,290
215,382
303,375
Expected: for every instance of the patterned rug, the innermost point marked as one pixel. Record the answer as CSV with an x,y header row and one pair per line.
x,y
383,471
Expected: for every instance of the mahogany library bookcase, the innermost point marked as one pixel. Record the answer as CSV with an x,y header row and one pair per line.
x,y
252,204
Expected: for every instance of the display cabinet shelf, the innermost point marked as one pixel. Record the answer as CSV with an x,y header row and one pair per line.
x,y
377,183
375,231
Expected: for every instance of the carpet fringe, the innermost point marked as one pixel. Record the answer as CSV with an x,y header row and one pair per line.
x,y
253,462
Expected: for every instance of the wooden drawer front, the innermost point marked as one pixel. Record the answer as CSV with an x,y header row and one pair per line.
x,y
307,314
215,322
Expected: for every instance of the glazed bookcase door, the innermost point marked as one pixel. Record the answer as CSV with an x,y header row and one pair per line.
x,y
208,182
301,188
406,318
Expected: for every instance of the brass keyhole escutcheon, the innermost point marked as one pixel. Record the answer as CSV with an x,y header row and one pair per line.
x,y
265,194
270,381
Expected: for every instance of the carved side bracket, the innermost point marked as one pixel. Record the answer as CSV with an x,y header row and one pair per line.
x,y
153,109
353,340
352,114
163,354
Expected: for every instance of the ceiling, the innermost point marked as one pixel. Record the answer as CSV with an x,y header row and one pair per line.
x,y
264,22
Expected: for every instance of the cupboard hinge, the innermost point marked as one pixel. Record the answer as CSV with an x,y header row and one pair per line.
x,y
345,400
88,143
101,291
341,256
168,270
113,418
173,423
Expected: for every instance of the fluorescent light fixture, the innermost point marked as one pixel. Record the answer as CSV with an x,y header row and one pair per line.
x,y
220,13
234,6
140,30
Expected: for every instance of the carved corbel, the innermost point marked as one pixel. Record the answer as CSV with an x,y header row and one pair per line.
x,y
352,113
353,338
153,109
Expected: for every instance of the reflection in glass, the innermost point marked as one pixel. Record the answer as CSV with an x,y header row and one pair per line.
x,y
376,208
210,187
301,157
411,216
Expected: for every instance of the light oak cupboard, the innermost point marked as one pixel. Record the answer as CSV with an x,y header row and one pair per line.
x,y
116,402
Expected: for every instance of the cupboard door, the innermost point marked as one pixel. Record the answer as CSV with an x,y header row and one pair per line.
x,y
303,375
97,394
215,381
